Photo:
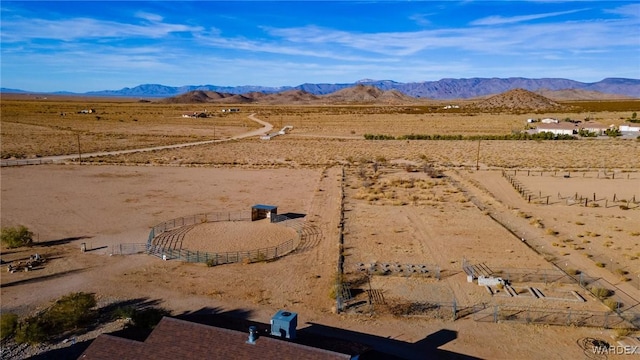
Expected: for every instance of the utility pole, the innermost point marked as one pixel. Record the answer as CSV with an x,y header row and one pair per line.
x,y
478,157
79,152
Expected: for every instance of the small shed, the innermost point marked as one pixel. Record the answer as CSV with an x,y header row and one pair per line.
x,y
261,211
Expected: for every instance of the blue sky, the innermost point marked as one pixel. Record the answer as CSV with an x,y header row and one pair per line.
x,y
89,45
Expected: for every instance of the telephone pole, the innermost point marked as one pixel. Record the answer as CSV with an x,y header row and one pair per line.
x,y
79,152
478,157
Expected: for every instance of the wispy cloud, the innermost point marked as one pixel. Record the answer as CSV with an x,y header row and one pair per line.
x,y
86,28
421,19
149,16
631,10
481,40
499,20
178,42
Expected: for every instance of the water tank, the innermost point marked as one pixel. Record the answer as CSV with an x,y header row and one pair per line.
x,y
284,323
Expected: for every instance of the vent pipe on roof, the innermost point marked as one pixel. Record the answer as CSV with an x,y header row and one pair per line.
x,y
253,335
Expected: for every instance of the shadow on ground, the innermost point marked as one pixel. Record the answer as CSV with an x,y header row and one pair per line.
x,y
371,347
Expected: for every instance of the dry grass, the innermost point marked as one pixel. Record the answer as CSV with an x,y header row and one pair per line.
x,y
32,128
321,135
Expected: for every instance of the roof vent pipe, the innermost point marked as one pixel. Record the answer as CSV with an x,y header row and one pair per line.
x,y
253,335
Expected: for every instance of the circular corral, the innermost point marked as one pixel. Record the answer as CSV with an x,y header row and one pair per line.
x,y
223,236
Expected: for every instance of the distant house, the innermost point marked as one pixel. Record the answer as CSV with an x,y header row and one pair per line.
x,y
629,128
195,114
594,127
231,110
549,121
558,129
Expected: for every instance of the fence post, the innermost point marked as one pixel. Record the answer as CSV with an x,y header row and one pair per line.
x,y
455,309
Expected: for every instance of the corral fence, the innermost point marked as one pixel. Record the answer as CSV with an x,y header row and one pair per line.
x,y
433,310
197,219
22,162
219,258
230,257
624,307
442,310
562,317
591,200
129,249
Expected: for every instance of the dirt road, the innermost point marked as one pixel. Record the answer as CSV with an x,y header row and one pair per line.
x,y
266,127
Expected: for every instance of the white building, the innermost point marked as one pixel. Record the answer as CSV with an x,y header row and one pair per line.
x,y
629,128
558,129
594,127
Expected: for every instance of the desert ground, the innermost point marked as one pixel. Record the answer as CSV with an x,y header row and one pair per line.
x,y
369,202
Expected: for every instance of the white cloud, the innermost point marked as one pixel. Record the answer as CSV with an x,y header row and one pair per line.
x,y
85,28
499,20
421,19
631,10
149,16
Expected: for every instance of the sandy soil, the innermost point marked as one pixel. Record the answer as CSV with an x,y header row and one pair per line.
x,y
103,206
236,236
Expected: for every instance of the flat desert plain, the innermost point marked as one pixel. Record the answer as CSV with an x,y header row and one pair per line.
x,y
384,203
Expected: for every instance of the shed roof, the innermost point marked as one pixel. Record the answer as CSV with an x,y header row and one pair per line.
x,y
180,339
264,207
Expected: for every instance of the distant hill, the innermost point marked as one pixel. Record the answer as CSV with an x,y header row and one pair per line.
x,y
518,100
444,89
359,94
576,94
363,94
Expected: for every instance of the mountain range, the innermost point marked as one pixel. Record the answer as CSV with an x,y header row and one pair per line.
x,y
439,90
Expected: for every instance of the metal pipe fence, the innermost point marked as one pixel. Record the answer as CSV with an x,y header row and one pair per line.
x,y
624,307
199,219
129,249
591,200
562,317
219,258
229,257
21,162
